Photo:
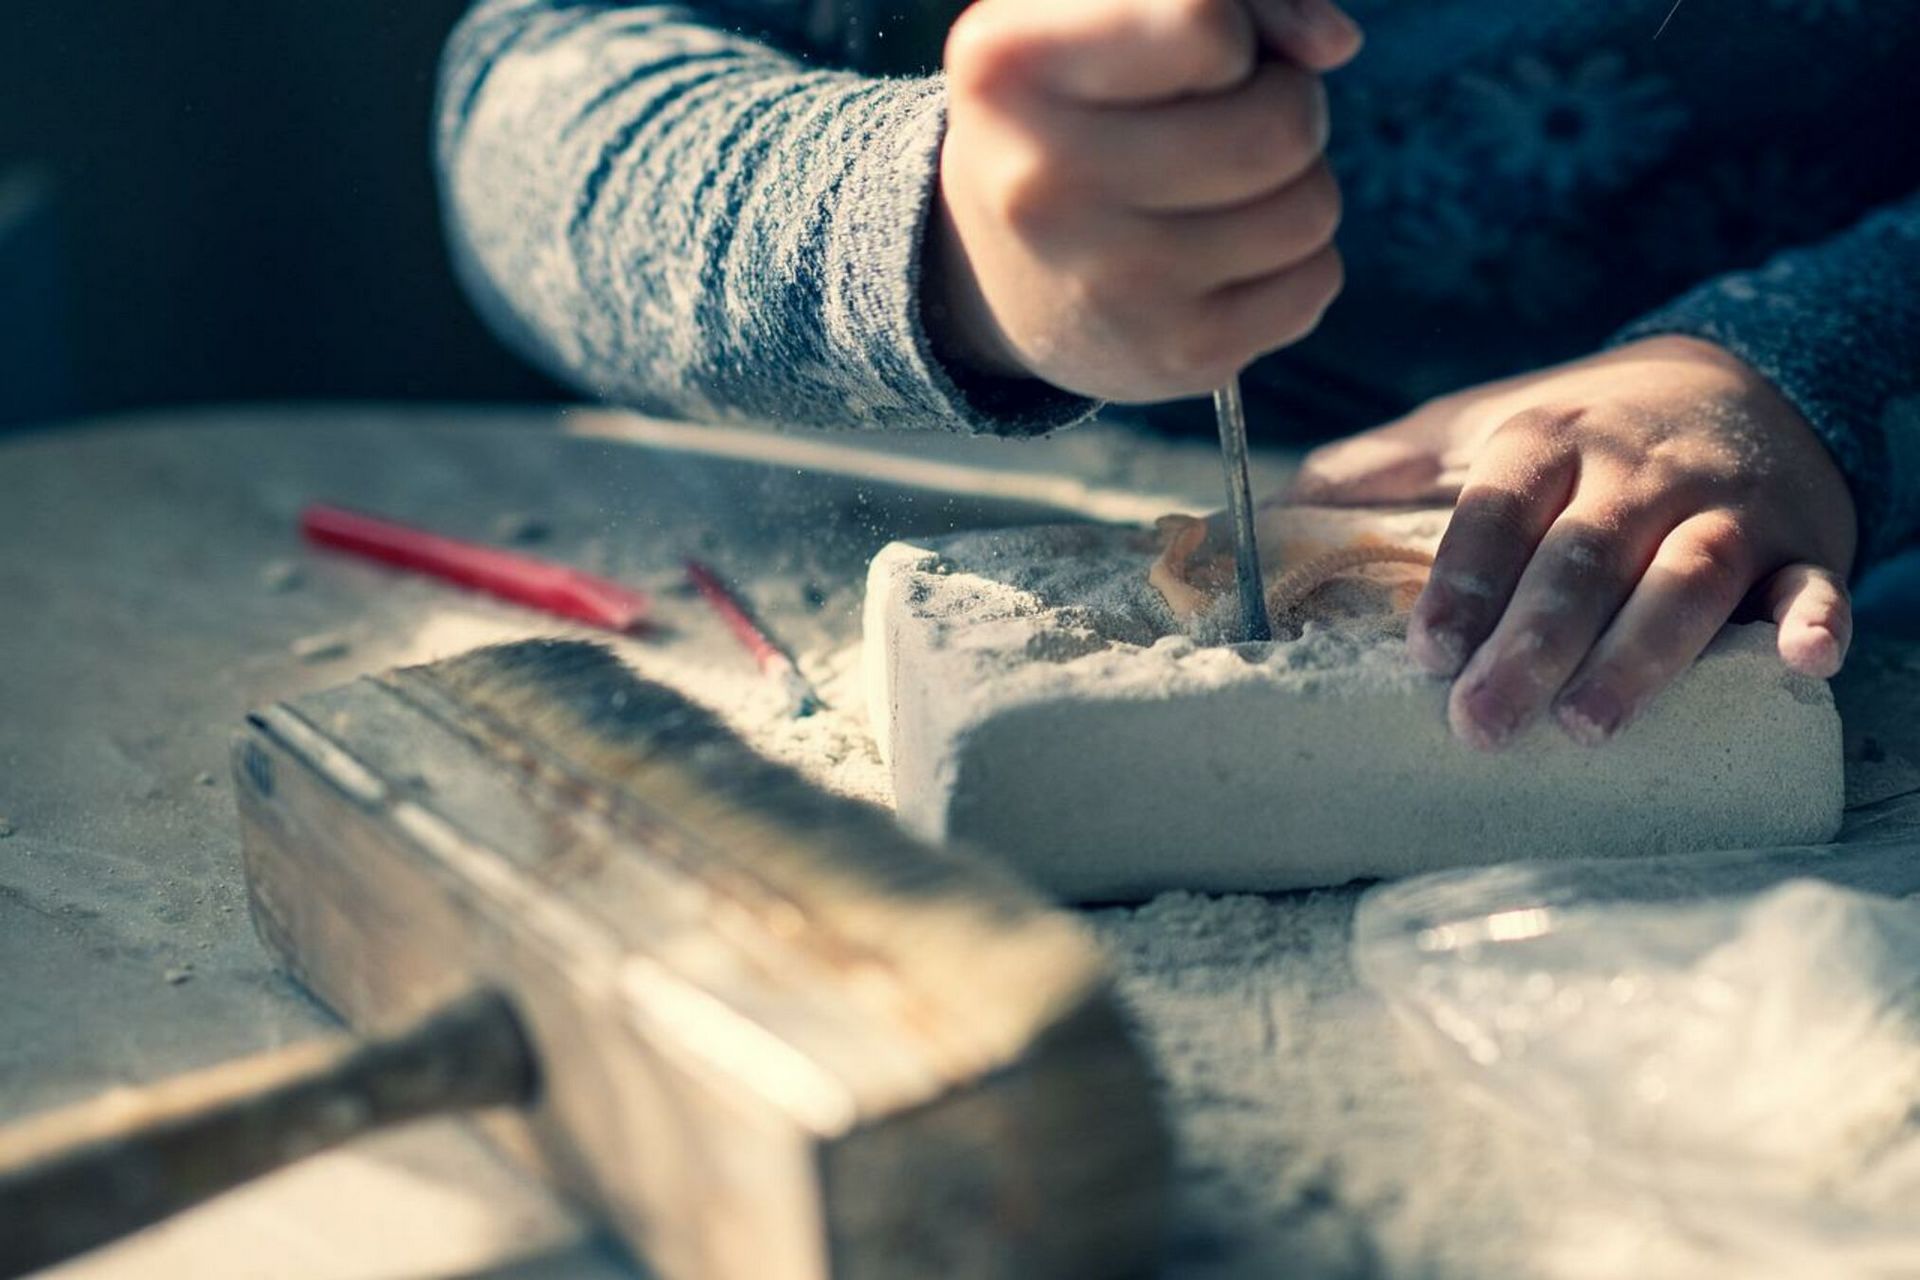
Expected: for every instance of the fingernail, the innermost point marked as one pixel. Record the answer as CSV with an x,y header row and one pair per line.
x,y
1486,720
1590,715
1331,34
1325,21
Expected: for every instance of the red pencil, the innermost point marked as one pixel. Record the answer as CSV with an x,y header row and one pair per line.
x,y
775,663
540,584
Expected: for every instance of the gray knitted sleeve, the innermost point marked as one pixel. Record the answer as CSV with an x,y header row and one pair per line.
x,y
674,214
1836,327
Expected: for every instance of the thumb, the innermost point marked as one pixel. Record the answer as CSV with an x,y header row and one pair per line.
x,y
1397,463
1810,606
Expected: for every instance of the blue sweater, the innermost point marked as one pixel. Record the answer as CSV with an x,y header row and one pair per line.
x,y
715,209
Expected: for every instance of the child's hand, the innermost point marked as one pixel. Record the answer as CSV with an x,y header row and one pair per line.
x,y
1133,202
1613,513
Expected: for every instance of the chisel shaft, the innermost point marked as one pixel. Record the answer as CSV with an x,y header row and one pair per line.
x,y
1246,549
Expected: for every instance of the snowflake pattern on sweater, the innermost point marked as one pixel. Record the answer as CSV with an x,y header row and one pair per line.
x,y
1570,130
715,208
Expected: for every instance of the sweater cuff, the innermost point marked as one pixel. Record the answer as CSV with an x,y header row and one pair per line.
x,y
874,297
1837,330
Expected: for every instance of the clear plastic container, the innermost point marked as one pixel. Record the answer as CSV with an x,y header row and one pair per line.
x,y
1737,1034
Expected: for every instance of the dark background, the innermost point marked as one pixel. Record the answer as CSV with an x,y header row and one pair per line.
x,y
212,200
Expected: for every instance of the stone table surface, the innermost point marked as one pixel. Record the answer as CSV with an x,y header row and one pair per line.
x,y
153,589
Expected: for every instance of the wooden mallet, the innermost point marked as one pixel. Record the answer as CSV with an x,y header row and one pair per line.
x,y
766,1035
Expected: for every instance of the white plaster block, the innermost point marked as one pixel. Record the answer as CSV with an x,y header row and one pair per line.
x,y
1032,695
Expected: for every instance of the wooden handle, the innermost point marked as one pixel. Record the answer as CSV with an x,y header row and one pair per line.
x,y
80,1176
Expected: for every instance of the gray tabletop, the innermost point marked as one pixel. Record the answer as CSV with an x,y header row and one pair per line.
x,y
152,589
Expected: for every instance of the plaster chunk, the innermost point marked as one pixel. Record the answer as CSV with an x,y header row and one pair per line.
x,y
1033,693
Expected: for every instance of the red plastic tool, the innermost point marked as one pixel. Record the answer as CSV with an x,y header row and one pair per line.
x,y
775,662
539,584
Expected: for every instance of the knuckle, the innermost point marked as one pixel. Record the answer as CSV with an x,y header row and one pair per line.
x,y
1663,470
981,55
1830,587
1322,205
1831,610
1586,554
1548,423
1618,514
1541,641
1295,325
1191,16
1258,139
1216,37
1242,151
1028,197
1716,555
1332,268
1308,291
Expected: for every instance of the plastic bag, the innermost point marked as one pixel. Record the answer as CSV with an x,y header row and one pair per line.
x,y
1738,1035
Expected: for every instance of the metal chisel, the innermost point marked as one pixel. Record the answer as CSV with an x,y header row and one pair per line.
x,y
1246,550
